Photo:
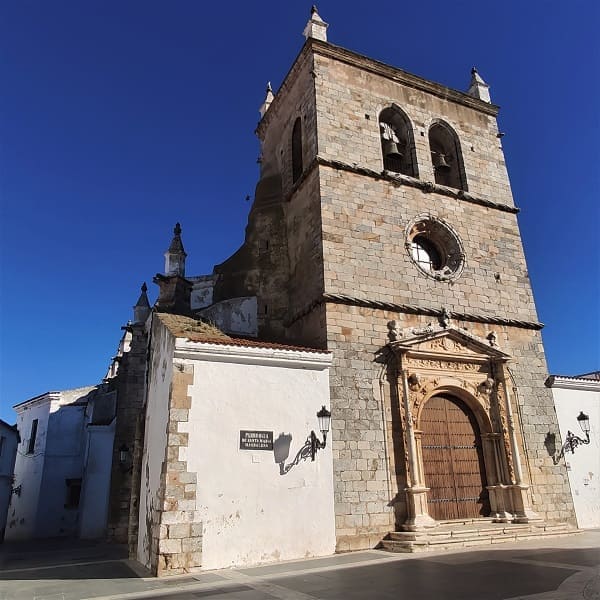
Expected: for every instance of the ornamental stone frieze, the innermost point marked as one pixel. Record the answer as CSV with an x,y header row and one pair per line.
x,y
434,361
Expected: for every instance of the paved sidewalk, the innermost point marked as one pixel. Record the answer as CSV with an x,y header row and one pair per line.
x,y
553,569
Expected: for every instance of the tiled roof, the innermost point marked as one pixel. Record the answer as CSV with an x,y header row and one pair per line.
x,y
199,331
190,328
245,342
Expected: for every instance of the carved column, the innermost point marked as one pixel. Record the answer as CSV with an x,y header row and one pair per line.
x,y
416,492
494,461
519,490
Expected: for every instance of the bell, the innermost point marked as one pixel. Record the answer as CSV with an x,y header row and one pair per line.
x,y
390,150
439,162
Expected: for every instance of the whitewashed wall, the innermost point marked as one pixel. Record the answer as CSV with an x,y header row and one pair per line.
x,y
252,513
40,511
8,450
202,291
20,522
155,437
236,316
93,513
63,460
571,397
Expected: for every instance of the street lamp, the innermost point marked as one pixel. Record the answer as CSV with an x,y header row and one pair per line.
x,y
324,417
572,441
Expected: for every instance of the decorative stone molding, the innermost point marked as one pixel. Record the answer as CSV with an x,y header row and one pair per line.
x,y
451,361
410,309
425,186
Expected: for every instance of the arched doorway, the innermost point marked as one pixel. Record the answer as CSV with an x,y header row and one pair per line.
x,y
453,464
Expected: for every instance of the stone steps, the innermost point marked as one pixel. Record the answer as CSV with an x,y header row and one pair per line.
x,y
476,532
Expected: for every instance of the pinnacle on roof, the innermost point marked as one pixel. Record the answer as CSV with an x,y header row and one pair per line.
x,y
264,107
176,243
175,255
141,310
316,27
143,299
478,88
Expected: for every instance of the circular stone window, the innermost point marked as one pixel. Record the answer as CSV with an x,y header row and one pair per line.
x,y
435,248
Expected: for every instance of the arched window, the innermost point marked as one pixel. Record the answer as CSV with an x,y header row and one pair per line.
x,y
446,156
397,142
297,150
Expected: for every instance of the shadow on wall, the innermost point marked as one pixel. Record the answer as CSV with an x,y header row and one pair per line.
x,y
550,445
281,451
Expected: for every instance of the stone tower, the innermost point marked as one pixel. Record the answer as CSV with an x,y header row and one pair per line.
x,y
384,229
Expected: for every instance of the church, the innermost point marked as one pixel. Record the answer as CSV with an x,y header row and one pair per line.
x,y
368,367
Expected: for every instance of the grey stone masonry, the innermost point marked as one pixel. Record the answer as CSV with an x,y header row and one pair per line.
x,y
357,242
177,529
130,384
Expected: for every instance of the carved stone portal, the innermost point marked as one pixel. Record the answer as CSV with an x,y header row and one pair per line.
x,y
469,372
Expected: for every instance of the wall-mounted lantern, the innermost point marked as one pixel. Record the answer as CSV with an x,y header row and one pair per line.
x,y
572,441
281,446
124,458
324,417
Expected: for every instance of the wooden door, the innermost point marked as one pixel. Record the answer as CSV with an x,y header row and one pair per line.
x,y
452,460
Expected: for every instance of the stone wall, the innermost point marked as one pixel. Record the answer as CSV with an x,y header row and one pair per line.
x,y
352,269
351,92
130,384
369,456
178,543
169,538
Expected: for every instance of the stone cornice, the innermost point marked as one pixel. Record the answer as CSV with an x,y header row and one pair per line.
x,y
374,66
410,309
278,98
573,383
203,351
425,186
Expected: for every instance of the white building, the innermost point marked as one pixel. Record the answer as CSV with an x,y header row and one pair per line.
x,y
228,473
572,397
62,469
9,438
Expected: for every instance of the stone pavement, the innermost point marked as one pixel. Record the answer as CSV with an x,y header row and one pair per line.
x,y
550,569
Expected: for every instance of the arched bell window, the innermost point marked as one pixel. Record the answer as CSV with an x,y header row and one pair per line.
x,y
297,150
446,156
397,142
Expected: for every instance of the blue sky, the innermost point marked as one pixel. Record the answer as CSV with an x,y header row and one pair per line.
x,y
120,118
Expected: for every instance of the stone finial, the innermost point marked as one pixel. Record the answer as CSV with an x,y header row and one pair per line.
x,y
316,27
141,310
393,333
175,255
492,339
478,87
444,317
264,107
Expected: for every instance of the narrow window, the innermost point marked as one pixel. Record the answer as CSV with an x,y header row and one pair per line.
x,y
31,446
2,438
73,493
297,150
397,142
446,156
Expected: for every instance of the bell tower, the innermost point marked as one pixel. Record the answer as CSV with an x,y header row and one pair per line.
x,y
403,257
